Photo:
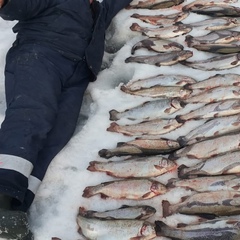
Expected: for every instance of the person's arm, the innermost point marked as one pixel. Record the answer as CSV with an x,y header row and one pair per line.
x,y
23,9
113,7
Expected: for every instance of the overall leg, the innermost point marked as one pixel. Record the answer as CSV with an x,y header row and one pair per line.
x,y
68,111
33,89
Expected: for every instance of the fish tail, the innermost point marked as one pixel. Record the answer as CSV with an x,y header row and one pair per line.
x,y
113,127
105,153
135,15
128,60
135,27
188,86
188,40
181,171
172,156
182,141
113,115
159,227
88,192
179,119
165,208
170,183
92,166
124,89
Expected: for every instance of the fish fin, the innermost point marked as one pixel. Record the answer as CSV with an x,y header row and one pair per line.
x,y
135,238
165,208
113,115
207,216
146,195
124,206
119,144
184,198
104,196
182,141
113,127
188,86
179,120
92,167
181,169
172,156
179,225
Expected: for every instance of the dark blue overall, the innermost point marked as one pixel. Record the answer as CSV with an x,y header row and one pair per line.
x,y
58,51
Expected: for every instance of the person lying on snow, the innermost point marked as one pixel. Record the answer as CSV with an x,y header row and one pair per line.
x,y
58,50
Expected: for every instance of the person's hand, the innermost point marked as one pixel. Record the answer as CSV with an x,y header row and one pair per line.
x,y
1,3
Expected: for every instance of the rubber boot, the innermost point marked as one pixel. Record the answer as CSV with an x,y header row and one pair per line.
x,y
13,224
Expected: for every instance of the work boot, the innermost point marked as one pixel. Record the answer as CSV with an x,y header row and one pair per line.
x,y
13,224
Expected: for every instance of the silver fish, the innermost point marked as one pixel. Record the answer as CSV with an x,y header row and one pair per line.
x,y
157,45
218,23
141,147
200,3
136,189
217,10
218,80
160,80
215,94
153,4
212,128
220,37
218,48
161,59
149,110
142,167
162,32
160,91
218,203
210,147
151,127
94,228
212,110
205,184
215,63
161,19
218,229
223,164
140,212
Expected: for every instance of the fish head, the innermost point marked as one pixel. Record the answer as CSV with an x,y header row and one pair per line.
x,y
147,230
158,188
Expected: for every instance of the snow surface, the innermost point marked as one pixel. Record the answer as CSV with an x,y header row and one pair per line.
x,y
53,213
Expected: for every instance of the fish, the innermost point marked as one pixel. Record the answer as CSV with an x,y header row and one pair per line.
x,y
227,163
204,184
157,45
218,203
217,10
221,228
140,167
140,212
215,94
161,19
160,80
216,63
141,147
151,127
161,59
218,80
214,37
94,228
160,92
217,23
153,4
211,128
166,32
200,3
218,48
149,110
135,189
210,147
212,110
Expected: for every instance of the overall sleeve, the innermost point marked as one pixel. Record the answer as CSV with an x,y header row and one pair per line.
x,y
113,7
24,9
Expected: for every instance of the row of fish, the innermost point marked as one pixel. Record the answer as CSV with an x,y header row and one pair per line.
x,y
214,144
